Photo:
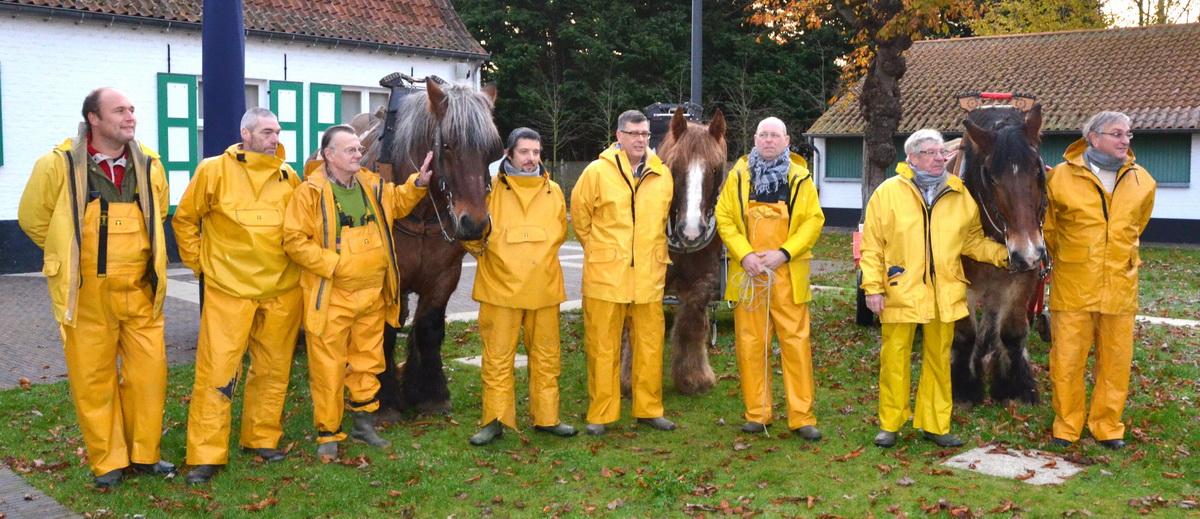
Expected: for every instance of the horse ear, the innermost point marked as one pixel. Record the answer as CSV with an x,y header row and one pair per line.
x,y
981,138
490,91
1033,125
678,124
716,127
437,99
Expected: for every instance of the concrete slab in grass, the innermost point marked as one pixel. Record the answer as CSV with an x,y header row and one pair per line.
x,y
519,362
1031,466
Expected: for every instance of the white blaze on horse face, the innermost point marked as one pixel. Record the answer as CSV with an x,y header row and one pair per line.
x,y
1025,247
695,192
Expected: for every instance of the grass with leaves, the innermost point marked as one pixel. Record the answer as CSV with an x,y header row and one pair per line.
x,y
705,467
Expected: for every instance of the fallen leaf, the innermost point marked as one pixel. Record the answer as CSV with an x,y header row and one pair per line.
x,y
886,469
1051,464
25,383
605,472
850,455
394,493
615,504
740,446
1029,473
1172,475
261,505
905,481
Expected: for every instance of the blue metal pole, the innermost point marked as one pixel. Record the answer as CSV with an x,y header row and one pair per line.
x,y
224,79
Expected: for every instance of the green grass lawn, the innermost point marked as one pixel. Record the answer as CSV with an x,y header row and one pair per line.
x,y
706,467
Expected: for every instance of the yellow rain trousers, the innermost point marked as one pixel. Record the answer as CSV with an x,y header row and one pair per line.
x,y
603,322
348,352
1113,337
500,328
119,410
934,399
773,312
229,325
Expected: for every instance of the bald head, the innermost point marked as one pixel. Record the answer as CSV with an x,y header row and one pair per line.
x,y
771,138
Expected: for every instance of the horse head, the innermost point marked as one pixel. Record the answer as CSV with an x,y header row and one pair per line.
x,y
455,123
696,155
1007,178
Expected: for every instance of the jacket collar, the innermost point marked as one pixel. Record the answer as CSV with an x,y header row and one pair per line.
x,y
797,171
903,170
619,159
257,161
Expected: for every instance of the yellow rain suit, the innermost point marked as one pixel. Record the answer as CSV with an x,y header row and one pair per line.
x,y
1093,237
782,309
229,228
350,282
911,253
620,219
519,284
108,300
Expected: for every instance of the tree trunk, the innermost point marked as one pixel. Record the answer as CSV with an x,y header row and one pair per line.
x,y
880,107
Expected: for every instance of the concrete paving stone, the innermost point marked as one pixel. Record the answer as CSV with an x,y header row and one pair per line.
x,y
1030,466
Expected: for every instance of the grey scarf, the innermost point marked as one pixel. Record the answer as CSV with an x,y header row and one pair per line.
x,y
1103,160
930,185
510,169
768,176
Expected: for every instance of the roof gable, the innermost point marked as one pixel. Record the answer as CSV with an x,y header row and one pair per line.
x,y
1150,73
417,24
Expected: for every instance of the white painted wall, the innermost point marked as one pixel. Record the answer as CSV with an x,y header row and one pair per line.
x,y
48,65
1169,202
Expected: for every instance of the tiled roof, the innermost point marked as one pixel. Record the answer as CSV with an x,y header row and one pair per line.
x,y
416,24
1150,73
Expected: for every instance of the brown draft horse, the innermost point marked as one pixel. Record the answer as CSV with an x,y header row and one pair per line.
x,y
455,123
695,153
1005,175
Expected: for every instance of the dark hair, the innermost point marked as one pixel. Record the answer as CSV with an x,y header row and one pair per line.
x,y
630,117
330,132
521,133
91,105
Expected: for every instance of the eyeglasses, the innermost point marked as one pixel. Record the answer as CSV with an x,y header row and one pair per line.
x,y
1118,135
641,135
932,153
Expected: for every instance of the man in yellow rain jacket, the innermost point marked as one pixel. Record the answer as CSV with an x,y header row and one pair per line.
x,y
95,206
229,227
1100,202
919,224
519,284
769,217
619,209
338,229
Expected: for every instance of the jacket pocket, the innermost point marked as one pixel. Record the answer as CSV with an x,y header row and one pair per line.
x,y
259,217
124,225
662,255
601,255
1072,254
525,234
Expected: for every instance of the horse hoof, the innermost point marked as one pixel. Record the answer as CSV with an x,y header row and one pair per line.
x,y
964,406
435,408
695,385
388,414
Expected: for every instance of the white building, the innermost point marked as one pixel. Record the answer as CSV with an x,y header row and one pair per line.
x,y
1150,73
314,64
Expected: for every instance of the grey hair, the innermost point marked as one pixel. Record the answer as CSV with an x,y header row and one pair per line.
x,y
1096,123
467,123
251,117
522,133
913,143
629,117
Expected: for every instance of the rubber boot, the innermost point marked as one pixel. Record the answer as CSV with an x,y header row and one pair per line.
x,y
364,430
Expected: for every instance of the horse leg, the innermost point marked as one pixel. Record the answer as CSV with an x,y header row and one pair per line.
x,y
391,401
424,383
689,346
1012,378
965,380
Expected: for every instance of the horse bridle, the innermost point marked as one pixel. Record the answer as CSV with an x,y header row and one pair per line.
x,y
444,188
1002,226
677,245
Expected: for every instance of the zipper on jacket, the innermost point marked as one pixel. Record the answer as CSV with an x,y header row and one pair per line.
x,y
932,270
74,207
632,208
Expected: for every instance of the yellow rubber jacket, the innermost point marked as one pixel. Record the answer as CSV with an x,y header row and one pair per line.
x,y
621,222
238,198
805,220
310,237
51,214
901,232
519,267
1093,235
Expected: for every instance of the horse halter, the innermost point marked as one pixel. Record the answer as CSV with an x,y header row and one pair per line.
x,y
444,188
678,245
1000,224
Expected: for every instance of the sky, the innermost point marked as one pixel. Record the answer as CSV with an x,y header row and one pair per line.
x,y
1125,11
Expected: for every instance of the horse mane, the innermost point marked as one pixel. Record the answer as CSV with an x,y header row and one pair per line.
x,y
695,142
1011,146
467,123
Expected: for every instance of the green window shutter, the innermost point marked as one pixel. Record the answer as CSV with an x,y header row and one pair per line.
x,y
325,110
287,105
1053,146
177,131
1167,156
843,157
